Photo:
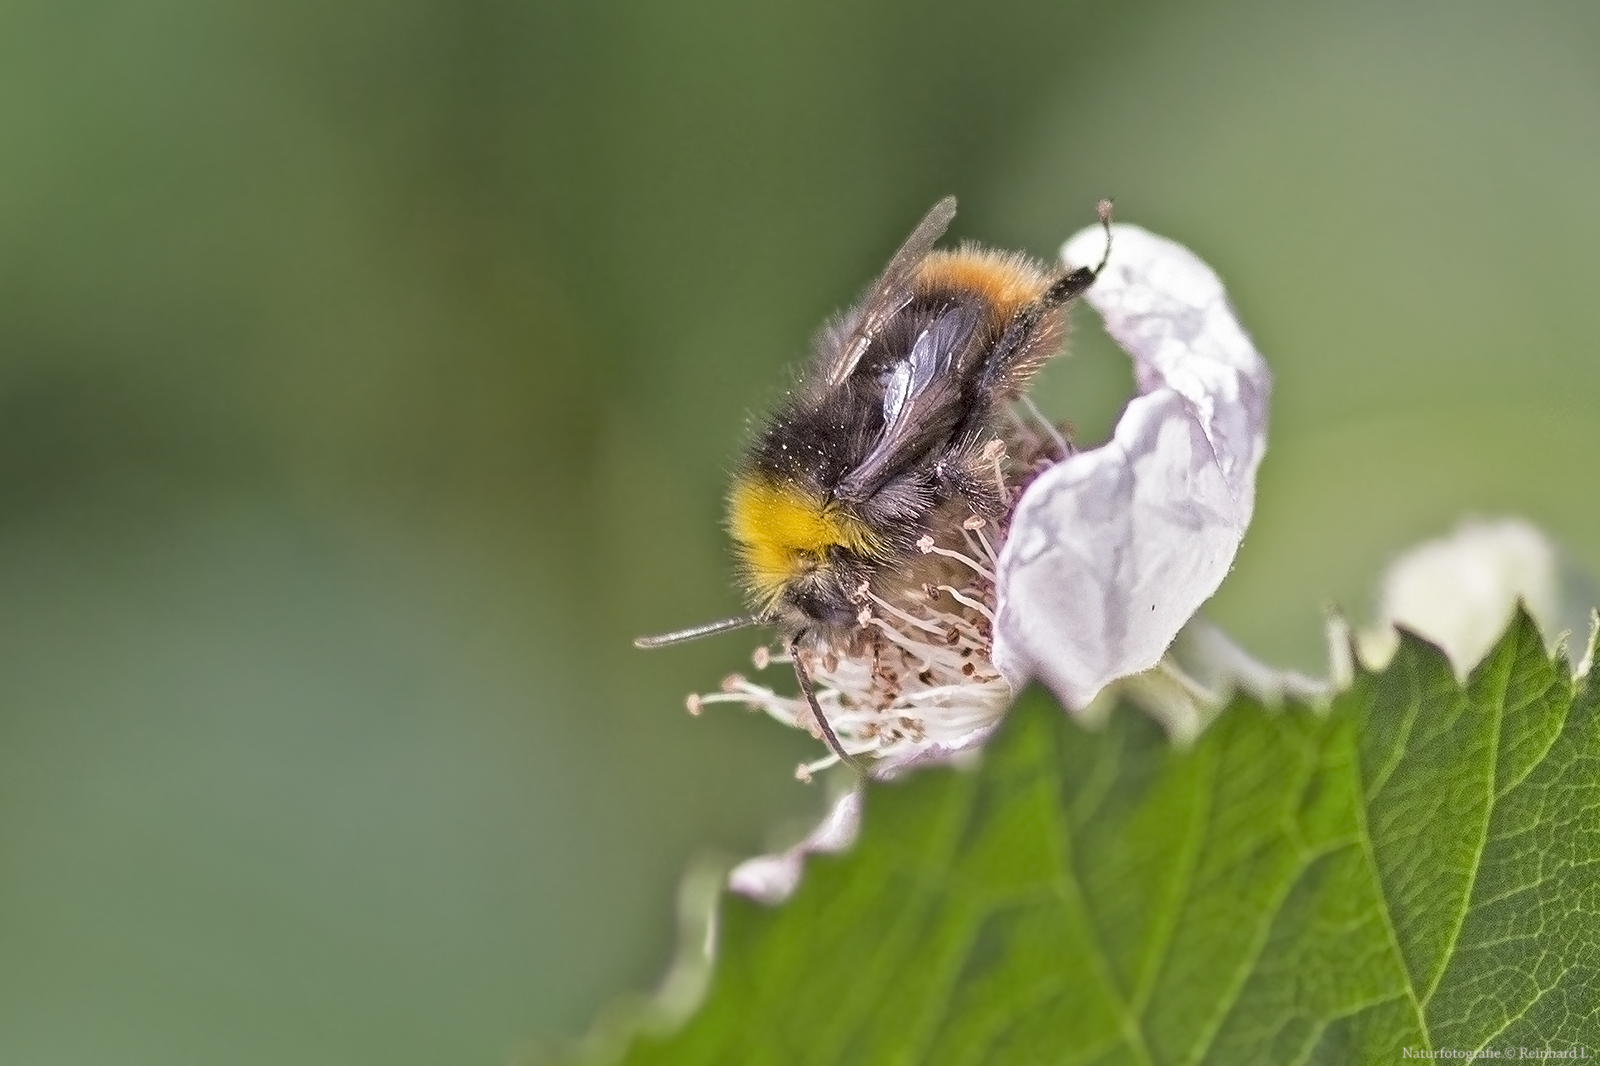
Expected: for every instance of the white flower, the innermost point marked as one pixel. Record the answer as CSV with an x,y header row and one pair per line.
x,y
773,878
1106,556
1459,592
1112,551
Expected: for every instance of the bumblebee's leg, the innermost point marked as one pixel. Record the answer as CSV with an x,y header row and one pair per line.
x,y
1076,283
1021,348
1005,371
1069,287
963,472
816,709
1018,353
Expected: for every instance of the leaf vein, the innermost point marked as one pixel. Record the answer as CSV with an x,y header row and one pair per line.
x,y
1502,677
1380,889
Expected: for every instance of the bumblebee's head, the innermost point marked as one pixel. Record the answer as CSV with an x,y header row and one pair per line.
x,y
801,554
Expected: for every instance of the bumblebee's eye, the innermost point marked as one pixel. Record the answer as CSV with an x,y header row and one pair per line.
x,y
822,601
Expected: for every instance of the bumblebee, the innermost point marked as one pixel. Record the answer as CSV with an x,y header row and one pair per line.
x,y
888,438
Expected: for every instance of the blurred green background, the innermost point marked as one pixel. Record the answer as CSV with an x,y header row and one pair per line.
x,y
370,372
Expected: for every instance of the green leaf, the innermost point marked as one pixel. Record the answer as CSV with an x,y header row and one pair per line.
x,y
1417,868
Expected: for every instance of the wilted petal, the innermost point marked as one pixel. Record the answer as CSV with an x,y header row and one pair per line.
x,y
1459,591
1111,551
773,878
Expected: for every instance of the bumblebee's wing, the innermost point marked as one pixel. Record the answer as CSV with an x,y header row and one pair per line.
x,y
921,403
888,294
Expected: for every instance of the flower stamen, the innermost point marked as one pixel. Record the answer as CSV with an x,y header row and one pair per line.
x,y
956,595
927,547
973,527
904,616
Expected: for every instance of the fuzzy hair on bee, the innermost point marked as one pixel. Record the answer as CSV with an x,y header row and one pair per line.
x,y
887,438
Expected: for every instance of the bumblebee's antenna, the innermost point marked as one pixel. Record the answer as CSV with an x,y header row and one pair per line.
x,y
727,625
816,708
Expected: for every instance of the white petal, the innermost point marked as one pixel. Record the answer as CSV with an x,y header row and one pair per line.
x,y
773,878
1112,550
1459,591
